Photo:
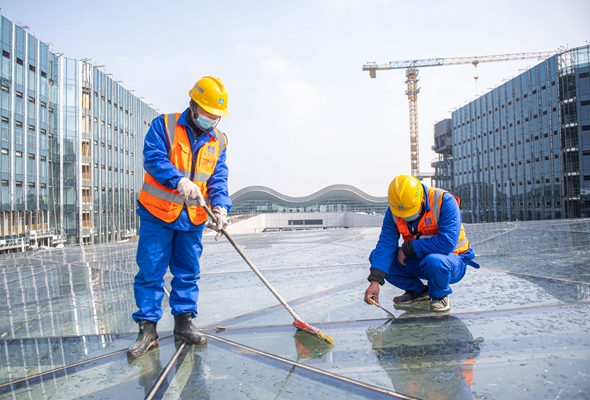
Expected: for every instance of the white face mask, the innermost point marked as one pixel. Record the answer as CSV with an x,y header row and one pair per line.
x,y
414,216
204,122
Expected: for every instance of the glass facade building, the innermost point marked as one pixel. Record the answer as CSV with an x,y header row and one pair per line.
x,y
443,147
522,150
71,144
334,198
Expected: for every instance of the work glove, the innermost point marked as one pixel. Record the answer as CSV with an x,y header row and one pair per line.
x,y
190,193
220,214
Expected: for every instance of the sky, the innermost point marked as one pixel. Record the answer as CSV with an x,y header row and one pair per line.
x,y
303,114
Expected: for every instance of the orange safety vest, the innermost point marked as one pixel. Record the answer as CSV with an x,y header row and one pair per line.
x,y
167,204
428,224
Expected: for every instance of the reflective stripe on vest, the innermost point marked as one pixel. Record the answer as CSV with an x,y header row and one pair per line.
x,y
435,197
167,204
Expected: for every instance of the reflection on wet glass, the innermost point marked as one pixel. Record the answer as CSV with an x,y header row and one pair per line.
x,y
519,326
114,376
490,355
435,360
223,372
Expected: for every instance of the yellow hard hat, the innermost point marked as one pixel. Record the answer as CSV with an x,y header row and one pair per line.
x,y
405,195
210,93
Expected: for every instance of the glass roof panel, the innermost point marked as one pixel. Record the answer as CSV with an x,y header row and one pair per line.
x,y
224,371
25,357
111,377
480,290
496,354
518,326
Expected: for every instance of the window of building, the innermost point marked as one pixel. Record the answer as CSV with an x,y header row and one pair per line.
x,y
86,197
86,148
86,171
86,98
86,220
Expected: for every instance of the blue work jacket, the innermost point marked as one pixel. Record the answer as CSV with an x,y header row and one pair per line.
x,y
449,225
157,164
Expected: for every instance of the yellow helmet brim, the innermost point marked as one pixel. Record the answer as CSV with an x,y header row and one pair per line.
x,y
403,213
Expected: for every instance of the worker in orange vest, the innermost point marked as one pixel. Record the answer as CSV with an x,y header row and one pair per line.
x,y
186,170
435,247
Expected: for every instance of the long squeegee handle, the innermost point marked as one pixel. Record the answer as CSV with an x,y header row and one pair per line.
x,y
256,271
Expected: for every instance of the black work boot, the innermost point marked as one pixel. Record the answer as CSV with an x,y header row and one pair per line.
x,y
410,297
184,330
147,338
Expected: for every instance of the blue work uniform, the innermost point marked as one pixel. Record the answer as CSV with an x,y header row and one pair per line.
x,y
434,259
176,244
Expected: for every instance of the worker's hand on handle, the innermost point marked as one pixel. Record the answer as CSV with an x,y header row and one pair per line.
x,y
191,193
372,291
220,215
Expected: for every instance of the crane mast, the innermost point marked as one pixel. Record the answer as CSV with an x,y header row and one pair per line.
x,y
412,91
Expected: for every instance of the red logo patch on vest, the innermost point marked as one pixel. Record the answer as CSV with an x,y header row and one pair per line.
x,y
427,221
211,149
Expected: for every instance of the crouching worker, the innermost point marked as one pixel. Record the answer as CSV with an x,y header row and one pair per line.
x,y
186,170
434,247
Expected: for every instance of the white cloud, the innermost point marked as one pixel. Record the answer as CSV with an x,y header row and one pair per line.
x,y
280,67
301,96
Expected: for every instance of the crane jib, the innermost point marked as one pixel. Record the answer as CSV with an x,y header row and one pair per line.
x,y
437,62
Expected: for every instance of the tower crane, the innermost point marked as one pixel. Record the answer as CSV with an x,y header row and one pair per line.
x,y
412,91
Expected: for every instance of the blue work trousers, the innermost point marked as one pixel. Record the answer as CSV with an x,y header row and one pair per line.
x,y
160,247
440,270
